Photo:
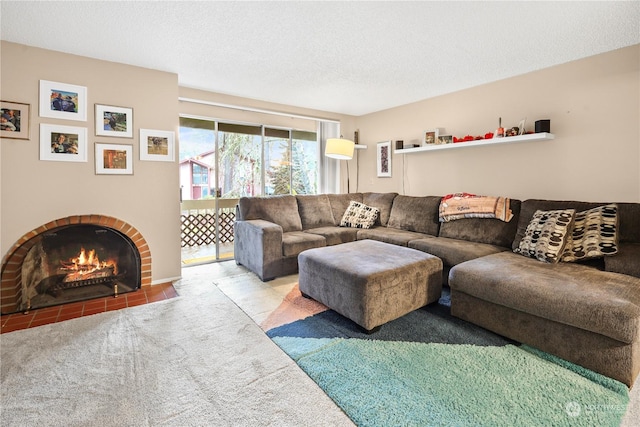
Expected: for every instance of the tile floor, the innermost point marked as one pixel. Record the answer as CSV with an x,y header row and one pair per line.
x,y
43,316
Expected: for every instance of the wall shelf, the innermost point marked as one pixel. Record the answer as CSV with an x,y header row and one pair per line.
x,y
544,136
360,147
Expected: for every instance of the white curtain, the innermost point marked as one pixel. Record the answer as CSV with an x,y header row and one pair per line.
x,y
329,168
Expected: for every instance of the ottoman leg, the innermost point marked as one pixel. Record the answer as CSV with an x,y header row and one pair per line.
x,y
369,331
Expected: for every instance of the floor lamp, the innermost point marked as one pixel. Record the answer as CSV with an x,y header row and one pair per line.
x,y
341,149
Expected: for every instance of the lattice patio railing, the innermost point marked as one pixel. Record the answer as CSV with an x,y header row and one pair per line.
x,y
198,218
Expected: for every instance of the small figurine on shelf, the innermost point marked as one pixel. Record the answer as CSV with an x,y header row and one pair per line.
x,y
514,131
500,130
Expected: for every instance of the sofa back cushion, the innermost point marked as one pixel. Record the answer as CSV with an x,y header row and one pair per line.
x,y
484,230
382,201
315,211
340,203
419,214
629,222
281,210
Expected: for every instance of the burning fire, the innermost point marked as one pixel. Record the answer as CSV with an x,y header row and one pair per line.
x,y
87,265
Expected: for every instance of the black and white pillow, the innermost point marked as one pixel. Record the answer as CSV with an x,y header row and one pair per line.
x,y
359,215
594,234
546,235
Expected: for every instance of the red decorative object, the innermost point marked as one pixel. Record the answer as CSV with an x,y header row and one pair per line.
x,y
488,135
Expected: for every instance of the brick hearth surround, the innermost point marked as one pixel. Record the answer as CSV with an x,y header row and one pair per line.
x,y
11,276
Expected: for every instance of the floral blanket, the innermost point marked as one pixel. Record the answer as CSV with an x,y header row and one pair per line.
x,y
465,205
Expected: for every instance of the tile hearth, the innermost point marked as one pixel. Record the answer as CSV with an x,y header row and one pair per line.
x,y
43,316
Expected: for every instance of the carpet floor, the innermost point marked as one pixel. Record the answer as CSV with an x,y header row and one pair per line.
x,y
466,375
194,360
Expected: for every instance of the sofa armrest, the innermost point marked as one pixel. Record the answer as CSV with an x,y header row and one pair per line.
x,y
258,246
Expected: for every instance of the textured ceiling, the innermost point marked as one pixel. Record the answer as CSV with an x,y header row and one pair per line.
x,y
347,57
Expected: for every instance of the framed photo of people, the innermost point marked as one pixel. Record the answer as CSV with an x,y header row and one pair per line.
x,y
63,101
63,143
114,159
15,120
114,121
157,145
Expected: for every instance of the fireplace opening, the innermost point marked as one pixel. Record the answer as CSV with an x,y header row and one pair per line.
x,y
78,262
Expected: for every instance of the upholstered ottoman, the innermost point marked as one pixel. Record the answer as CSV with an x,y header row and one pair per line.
x,y
370,282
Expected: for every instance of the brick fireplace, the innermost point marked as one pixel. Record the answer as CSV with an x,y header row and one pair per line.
x,y
12,289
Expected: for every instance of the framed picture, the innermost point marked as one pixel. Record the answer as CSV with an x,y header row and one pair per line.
x,y
114,121
15,120
383,153
431,136
63,101
63,143
445,139
114,159
157,145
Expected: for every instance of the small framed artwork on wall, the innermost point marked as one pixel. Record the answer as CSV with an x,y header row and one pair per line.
x,y
157,145
383,154
114,159
114,121
15,120
63,143
63,101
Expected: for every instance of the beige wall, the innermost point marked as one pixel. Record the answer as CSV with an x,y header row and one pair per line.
x,y
594,107
35,192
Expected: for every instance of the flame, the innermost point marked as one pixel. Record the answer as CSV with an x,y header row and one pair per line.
x,y
88,265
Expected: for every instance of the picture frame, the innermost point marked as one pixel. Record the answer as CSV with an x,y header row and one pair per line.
x,y
63,101
430,137
63,143
15,120
383,154
114,121
157,145
114,159
445,139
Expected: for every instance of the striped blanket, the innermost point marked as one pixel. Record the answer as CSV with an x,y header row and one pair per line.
x,y
465,205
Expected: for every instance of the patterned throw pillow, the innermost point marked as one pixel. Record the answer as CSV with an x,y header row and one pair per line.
x,y
359,215
594,234
546,235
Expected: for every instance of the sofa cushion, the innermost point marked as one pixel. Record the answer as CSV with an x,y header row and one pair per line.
x,y
295,242
594,234
418,214
315,210
335,235
281,210
573,294
626,261
546,235
484,230
359,215
382,201
454,251
390,235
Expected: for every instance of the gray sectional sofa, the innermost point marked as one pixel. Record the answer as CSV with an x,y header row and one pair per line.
x,y
585,312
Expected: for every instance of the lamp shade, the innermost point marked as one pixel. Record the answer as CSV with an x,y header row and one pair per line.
x,y
338,148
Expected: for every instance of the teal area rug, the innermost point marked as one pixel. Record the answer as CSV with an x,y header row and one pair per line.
x,y
430,369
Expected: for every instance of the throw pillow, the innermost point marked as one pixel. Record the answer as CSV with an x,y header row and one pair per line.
x,y
546,235
594,234
359,215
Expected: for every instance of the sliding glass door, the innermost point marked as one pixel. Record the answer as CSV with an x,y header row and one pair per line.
x,y
221,162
